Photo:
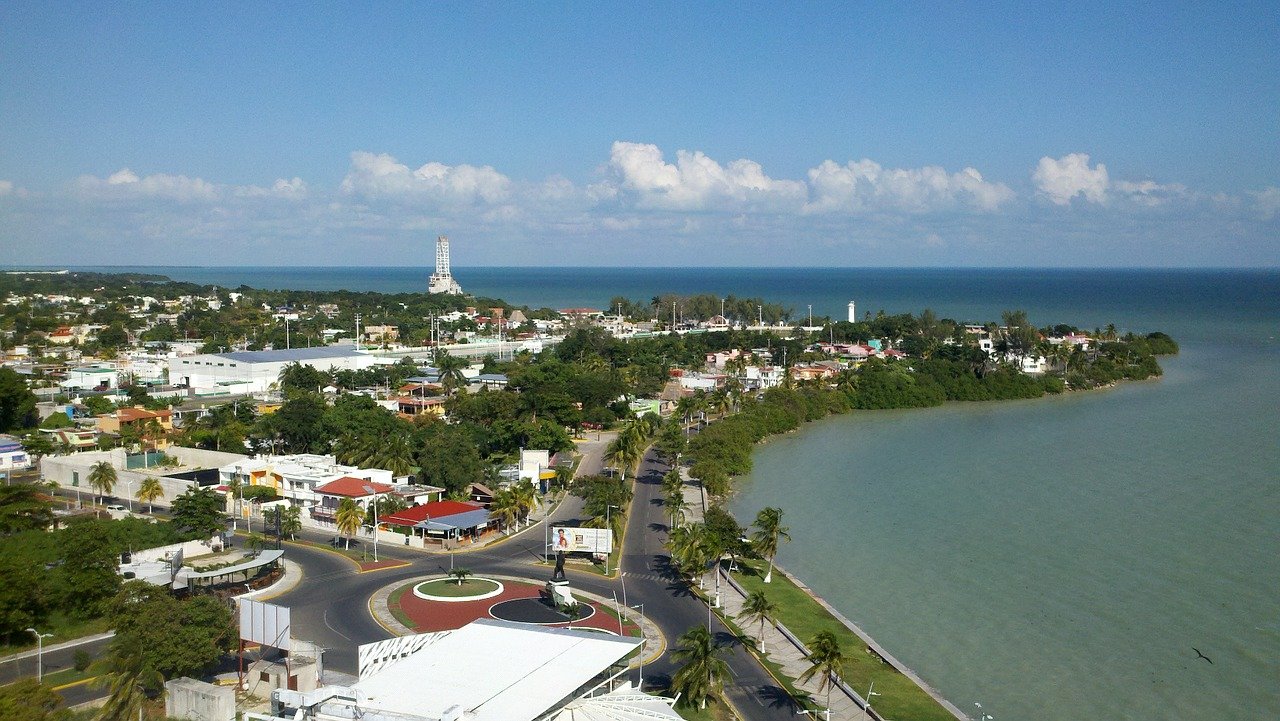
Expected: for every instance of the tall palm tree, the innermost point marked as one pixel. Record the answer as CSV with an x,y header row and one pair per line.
x,y
526,499
690,550
769,533
625,450
450,368
702,671
349,518
758,607
394,453
127,678
102,479
676,506
825,658
291,522
505,507
149,490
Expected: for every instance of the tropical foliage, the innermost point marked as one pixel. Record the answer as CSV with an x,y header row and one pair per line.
x,y
702,669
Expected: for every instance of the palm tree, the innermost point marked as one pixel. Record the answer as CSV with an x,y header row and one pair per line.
x,y
758,607
675,504
690,550
149,490
460,575
349,518
703,670
102,479
526,499
450,368
769,533
127,679
625,450
505,507
826,658
394,454
291,522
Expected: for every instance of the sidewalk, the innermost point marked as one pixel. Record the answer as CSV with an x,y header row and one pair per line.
x,y
780,648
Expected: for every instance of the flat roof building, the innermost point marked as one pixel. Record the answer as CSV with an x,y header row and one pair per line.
x,y
258,371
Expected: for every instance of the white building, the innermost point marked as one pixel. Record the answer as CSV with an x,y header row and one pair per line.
x,y
13,457
296,477
257,371
488,670
91,379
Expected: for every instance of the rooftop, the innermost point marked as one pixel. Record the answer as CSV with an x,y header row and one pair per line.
x,y
353,487
291,355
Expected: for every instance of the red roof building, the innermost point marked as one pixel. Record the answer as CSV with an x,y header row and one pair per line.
x,y
434,511
353,488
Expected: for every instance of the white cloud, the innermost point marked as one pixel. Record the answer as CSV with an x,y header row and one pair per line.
x,y
1267,202
1063,179
865,185
125,184
381,175
6,187
696,182
293,189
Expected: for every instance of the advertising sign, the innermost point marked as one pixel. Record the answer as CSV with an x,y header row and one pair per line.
x,y
264,623
585,540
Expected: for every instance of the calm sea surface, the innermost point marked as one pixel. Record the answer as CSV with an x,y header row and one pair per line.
x,y
1052,559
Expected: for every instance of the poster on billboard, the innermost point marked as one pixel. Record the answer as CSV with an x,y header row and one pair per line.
x,y
264,623
585,540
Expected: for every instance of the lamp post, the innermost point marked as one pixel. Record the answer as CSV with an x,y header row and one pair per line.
x,y
983,715
826,713
369,490
128,493
40,637
871,692
640,684
608,527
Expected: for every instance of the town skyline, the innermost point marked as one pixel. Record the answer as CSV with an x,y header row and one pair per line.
x,y
663,136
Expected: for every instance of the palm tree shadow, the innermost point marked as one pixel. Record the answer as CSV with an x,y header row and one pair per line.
x,y
777,697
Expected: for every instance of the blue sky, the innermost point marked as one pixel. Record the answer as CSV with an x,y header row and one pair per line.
x,y
1092,134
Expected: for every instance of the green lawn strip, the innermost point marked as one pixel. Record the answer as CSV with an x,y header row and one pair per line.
x,y
716,710
805,617
64,676
788,683
63,628
449,588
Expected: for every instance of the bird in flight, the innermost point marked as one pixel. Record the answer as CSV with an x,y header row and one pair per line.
x,y
1201,655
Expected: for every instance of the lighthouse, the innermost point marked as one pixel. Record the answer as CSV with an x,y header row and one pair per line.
x,y
442,280
853,313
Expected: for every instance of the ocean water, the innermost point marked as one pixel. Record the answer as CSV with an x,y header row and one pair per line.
x,y
1051,559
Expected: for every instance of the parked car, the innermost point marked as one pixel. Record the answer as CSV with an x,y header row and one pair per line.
x,y
116,507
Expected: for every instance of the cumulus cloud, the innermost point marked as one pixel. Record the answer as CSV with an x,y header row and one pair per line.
x,y
1267,202
867,186
1063,179
380,175
125,184
696,182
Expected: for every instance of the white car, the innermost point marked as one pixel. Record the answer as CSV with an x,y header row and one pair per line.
x,y
116,507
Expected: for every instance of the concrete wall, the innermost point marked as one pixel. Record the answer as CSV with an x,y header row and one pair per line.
x,y
201,458
187,698
190,549
64,470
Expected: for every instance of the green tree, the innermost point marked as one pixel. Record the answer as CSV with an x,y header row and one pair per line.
x,y
768,535
758,607
24,600
460,575
291,521
505,507
702,670
450,368
24,507
17,402
198,513
297,379
26,700
676,506
349,518
38,445
87,578
447,457
825,659
102,479
604,498
149,491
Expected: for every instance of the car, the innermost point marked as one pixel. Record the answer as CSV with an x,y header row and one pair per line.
x,y
116,507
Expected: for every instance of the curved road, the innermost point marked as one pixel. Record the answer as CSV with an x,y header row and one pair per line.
x,y
330,605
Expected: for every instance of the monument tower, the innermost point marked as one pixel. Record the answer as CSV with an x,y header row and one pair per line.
x,y
442,280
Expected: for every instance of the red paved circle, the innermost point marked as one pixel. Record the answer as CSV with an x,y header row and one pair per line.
x,y
425,616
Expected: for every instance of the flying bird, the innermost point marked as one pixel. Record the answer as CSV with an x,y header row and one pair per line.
x,y
1201,655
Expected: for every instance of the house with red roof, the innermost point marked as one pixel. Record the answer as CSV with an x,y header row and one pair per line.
x,y
441,520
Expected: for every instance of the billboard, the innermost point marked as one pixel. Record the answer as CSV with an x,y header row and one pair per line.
x,y
264,623
586,540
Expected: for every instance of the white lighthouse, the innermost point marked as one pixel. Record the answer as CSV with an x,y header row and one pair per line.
x,y
853,313
442,280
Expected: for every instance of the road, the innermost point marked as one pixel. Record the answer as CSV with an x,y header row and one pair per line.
x,y
330,605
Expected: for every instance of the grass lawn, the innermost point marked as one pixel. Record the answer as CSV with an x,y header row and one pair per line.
x,y
449,588
901,698
65,676
62,627
715,711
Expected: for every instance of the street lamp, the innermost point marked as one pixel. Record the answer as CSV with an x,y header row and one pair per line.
x,y
369,490
640,685
826,713
40,637
871,692
983,715
609,527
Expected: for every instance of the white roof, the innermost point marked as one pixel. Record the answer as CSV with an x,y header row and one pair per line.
x,y
622,704
494,670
